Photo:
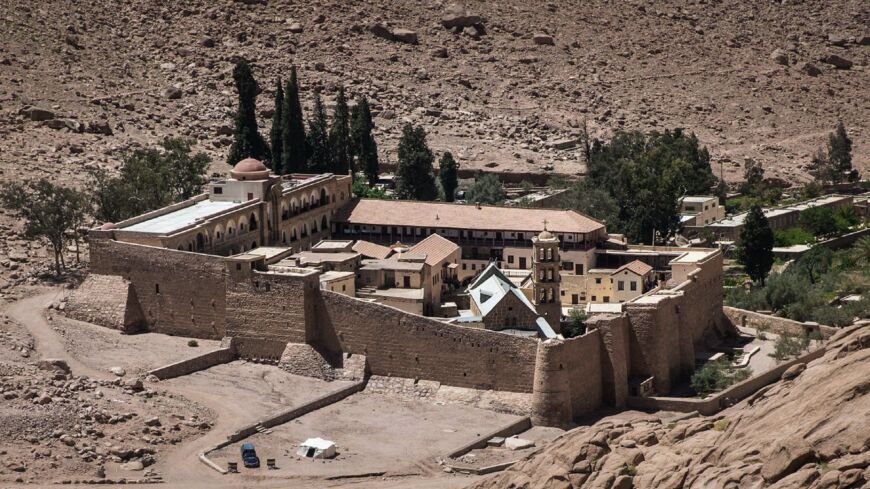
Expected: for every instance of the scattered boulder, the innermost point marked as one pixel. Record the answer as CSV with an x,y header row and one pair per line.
x,y
65,123
779,56
296,28
838,61
207,42
54,364
439,52
809,69
515,443
133,465
543,40
38,114
100,127
172,93
793,371
405,35
786,457
120,372
379,30
456,16
134,384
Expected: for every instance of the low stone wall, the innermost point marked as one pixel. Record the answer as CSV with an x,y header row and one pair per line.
x,y
725,398
195,364
510,429
774,324
294,412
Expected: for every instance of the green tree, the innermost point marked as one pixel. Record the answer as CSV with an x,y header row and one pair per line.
x,y
415,176
448,174
319,159
49,212
646,174
753,178
576,324
486,189
275,133
339,136
819,221
149,179
363,145
293,148
815,262
835,164
592,201
861,250
247,141
755,251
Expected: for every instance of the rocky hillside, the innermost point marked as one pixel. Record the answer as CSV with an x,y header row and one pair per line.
x,y
811,430
504,85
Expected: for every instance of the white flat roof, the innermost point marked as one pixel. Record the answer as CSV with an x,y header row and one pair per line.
x,y
697,199
181,218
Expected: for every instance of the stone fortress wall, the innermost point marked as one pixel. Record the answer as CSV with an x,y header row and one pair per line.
x,y
207,296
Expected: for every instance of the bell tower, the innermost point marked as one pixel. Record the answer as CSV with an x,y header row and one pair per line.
x,y
546,278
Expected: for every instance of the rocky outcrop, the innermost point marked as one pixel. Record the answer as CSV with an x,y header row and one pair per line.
x,y
808,431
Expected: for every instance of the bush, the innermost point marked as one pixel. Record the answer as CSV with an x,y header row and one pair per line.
x,y
576,324
715,376
192,343
721,425
789,345
792,236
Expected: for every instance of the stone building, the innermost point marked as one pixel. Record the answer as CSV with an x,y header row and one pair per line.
x,y
546,264
250,209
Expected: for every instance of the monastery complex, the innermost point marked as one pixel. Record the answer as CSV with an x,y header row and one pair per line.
x,y
294,269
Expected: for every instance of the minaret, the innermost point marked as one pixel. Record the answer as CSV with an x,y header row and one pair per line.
x,y
545,277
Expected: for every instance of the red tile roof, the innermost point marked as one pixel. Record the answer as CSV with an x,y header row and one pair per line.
x,y
637,266
371,250
458,216
436,248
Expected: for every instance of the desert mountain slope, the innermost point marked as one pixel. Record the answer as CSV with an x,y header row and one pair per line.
x,y
145,70
810,431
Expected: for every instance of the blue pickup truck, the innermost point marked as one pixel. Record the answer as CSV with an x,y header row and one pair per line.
x,y
249,456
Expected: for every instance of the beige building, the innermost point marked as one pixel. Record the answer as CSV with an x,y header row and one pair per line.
x,y
341,282
252,208
700,210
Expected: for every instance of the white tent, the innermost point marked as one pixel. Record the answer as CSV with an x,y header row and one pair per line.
x,y
316,448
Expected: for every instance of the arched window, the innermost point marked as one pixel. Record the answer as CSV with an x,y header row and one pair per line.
x,y
341,195
218,232
284,237
253,245
253,221
231,228
285,212
200,242
314,226
323,223
242,225
304,230
550,296
189,246
323,198
293,234
549,254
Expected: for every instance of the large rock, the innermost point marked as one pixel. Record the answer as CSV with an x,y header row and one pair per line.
x,y
405,35
792,372
837,61
38,114
809,69
172,93
515,443
543,40
54,364
779,57
379,30
786,457
456,16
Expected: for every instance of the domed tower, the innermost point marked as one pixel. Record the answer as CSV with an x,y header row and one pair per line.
x,y
546,278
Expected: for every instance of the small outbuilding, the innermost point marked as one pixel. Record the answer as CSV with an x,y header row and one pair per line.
x,y
316,448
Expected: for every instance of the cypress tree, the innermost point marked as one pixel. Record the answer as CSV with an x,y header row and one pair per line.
x,y
756,245
415,177
247,141
318,138
339,136
840,154
362,144
275,133
294,153
448,171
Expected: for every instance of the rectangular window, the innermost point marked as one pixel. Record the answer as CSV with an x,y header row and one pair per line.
x,y
522,262
218,190
594,298
633,285
250,196
597,280
511,259
463,266
620,285
606,299
156,288
568,265
574,299
578,269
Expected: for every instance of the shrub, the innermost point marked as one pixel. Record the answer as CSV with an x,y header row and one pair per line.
x,y
721,425
789,345
576,324
715,376
192,343
792,236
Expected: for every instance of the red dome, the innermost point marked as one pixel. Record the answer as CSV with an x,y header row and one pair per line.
x,y
249,165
